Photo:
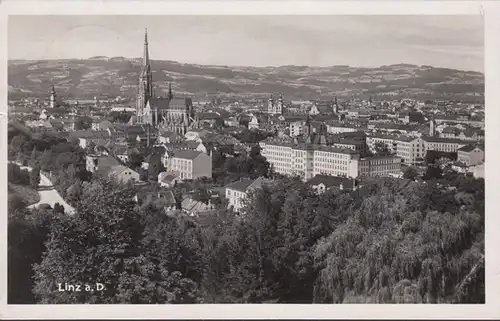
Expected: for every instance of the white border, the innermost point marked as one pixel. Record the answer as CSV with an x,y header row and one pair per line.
x,y
490,10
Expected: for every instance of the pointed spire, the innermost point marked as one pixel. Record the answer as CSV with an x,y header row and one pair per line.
x,y
146,51
170,94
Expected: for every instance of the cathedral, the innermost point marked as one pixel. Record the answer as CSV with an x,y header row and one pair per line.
x,y
174,114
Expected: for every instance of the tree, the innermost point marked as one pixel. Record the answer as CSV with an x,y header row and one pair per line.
x,y
396,248
410,173
27,233
83,123
155,167
433,172
103,242
35,177
219,123
58,208
381,149
17,176
135,160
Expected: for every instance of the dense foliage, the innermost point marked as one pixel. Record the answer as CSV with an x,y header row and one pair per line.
x,y
389,241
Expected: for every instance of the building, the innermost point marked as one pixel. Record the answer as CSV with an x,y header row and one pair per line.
x,y
237,192
322,183
410,149
95,163
443,144
380,166
188,164
122,174
307,160
170,113
275,108
53,98
336,128
470,155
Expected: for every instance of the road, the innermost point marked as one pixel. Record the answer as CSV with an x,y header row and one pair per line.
x,y
49,196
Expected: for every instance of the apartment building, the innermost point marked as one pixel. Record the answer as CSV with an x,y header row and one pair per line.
x,y
380,165
353,144
296,128
308,160
188,164
388,141
443,144
410,149
336,128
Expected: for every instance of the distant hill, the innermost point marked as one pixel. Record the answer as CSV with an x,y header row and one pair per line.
x,y
118,76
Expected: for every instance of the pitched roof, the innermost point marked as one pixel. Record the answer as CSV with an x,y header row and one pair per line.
x,y
106,161
240,185
332,181
187,154
469,148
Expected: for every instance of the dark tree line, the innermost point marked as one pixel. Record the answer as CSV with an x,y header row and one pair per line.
x,y
389,241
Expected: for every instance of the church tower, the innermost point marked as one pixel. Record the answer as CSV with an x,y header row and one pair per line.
x,y
270,105
279,106
53,97
432,127
145,91
335,106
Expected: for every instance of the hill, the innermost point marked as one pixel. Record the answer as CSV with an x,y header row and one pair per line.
x,y
118,76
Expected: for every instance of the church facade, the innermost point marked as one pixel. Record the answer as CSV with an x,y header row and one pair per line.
x,y
169,113
275,108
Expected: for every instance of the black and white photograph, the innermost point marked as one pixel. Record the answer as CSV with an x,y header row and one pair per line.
x,y
246,159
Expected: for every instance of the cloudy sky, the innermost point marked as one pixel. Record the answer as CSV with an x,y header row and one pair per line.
x,y
442,41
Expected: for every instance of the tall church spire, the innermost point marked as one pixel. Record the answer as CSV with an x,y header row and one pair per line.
x,y
145,91
145,61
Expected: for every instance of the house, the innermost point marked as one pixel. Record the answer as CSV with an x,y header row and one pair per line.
x,y
254,122
166,200
314,110
168,180
196,134
166,137
193,207
121,173
459,167
188,164
95,163
322,183
237,192
470,155
121,153
103,125
85,137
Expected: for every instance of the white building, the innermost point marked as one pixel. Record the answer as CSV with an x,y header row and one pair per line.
x,y
188,164
470,155
237,192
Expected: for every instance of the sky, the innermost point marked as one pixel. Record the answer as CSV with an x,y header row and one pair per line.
x,y
453,41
